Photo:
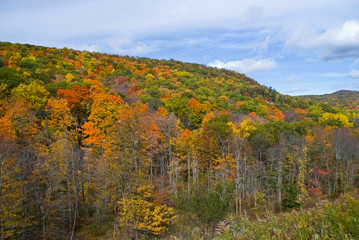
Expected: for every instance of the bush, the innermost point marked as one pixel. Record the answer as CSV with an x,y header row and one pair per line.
x,y
339,220
208,207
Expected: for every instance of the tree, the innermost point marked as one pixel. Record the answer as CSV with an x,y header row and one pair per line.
x,y
33,93
61,170
138,212
277,154
207,207
241,134
335,120
78,101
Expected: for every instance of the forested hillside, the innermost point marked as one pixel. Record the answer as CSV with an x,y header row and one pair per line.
x,y
343,98
96,145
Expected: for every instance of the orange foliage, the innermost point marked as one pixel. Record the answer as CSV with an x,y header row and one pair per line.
x,y
161,111
78,95
305,118
94,135
275,114
141,107
253,115
239,104
309,139
193,103
300,111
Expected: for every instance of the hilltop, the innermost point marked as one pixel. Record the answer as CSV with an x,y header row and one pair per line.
x,y
344,98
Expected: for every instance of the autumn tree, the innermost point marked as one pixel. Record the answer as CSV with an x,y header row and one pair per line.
x,y
138,213
34,94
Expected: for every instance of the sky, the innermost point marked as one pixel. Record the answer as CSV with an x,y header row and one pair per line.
x,y
296,47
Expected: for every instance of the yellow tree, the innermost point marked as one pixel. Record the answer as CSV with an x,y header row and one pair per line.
x,y
11,218
61,169
34,94
99,134
167,164
138,214
187,151
335,120
208,149
241,134
17,127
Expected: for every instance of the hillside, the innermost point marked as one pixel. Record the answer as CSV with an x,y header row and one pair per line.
x,y
344,98
96,145
151,81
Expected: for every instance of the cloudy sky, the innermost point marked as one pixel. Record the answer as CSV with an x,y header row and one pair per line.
x,y
297,47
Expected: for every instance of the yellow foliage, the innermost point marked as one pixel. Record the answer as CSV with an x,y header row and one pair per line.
x,y
208,117
335,120
34,94
243,130
138,213
69,77
3,90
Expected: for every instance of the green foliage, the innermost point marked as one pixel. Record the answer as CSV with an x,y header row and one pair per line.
x,y
343,98
291,198
330,221
154,91
53,87
219,126
145,98
177,105
261,110
28,62
209,207
302,127
11,77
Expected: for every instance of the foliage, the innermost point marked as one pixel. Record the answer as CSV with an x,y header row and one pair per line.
x,y
84,134
335,120
34,93
139,213
208,207
291,199
326,221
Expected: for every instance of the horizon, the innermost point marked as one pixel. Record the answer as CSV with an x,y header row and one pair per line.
x,y
298,49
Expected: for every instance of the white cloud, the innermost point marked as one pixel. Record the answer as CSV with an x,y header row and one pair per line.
x,y
126,45
59,21
247,66
333,43
86,47
354,73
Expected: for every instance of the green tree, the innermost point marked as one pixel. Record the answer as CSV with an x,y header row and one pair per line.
x,y
209,207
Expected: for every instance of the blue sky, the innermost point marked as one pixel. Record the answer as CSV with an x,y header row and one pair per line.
x,y
297,47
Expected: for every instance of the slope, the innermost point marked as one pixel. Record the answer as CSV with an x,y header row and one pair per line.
x,y
345,98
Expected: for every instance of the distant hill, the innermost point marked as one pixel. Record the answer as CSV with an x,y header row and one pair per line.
x,y
344,98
